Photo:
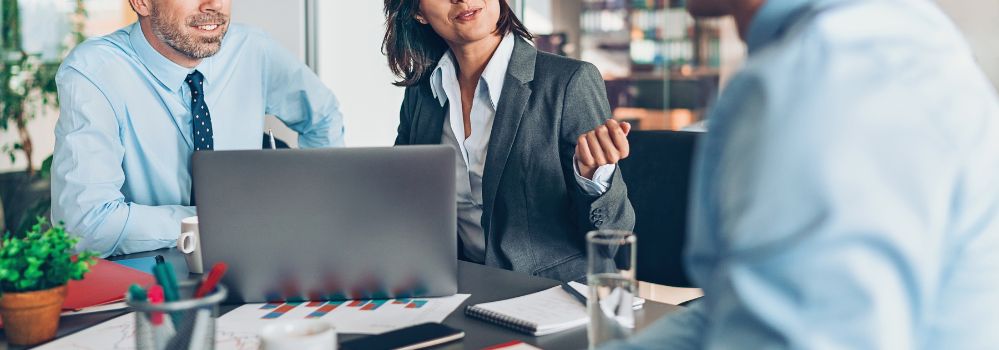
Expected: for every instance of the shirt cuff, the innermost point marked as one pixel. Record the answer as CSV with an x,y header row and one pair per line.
x,y
601,179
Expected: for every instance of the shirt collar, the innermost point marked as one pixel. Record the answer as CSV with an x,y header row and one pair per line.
x,y
494,74
168,73
437,78
772,19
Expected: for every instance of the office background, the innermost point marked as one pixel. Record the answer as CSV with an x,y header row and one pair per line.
x,y
662,68
341,40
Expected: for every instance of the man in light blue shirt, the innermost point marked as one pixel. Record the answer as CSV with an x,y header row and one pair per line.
x,y
137,103
846,195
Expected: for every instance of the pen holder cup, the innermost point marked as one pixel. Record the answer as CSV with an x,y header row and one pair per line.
x,y
187,323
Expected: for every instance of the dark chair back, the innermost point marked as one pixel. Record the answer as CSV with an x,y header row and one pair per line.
x,y
657,173
278,143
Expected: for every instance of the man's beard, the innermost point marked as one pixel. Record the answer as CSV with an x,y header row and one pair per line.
x,y
168,31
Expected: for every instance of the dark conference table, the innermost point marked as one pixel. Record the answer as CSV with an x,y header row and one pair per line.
x,y
484,283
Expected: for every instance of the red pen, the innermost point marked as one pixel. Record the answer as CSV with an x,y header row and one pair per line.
x,y
212,280
155,296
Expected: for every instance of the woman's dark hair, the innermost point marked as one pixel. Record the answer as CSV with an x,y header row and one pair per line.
x,y
413,48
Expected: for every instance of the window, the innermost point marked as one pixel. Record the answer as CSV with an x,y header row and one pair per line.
x,y
45,29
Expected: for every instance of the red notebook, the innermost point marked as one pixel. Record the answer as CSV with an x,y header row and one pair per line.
x,y
106,283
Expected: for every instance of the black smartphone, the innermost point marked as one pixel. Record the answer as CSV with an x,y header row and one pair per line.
x,y
414,337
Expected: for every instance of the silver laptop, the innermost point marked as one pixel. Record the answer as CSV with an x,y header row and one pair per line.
x,y
329,224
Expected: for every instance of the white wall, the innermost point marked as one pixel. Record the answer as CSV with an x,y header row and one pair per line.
x,y
979,20
352,65
282,20
285,22
349,61
538,16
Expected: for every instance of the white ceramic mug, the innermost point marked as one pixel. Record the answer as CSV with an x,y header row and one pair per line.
x,y
189,243
298,335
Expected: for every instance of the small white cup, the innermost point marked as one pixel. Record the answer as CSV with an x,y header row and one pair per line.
x,y
298,335
189,243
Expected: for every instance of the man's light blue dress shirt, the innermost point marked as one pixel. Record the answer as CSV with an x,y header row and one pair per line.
x,y
846,194
121,176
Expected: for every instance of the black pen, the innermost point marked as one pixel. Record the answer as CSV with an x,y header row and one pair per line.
x,y
574,293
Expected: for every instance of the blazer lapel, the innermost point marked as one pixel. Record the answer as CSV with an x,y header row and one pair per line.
x,y
429,118
509,113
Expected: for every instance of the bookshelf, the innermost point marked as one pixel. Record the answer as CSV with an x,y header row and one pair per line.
x,y
661,65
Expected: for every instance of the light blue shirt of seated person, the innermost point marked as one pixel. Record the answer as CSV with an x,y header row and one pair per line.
x,y
121,177
846,194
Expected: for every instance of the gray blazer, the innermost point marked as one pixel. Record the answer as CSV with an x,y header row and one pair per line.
x,y
535,216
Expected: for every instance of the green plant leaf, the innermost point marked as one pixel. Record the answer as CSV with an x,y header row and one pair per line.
x,y
41,259
46,170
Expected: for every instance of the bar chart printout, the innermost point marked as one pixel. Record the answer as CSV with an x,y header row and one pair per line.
x,y
351,316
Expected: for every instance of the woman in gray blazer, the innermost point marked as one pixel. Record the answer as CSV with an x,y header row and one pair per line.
x,y
536,153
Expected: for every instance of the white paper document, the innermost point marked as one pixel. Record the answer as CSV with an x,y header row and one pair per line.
x,y
239,328
119,334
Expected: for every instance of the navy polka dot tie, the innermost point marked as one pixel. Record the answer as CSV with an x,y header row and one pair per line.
x,y
201,124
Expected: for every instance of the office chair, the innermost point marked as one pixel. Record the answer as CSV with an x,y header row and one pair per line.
x,y
657,173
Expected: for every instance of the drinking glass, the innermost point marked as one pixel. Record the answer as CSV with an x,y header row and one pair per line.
x,y
611,279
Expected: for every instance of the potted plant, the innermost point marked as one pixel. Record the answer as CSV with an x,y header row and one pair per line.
x,y
34,270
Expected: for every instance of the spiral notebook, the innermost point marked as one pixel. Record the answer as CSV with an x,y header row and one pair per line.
x,y
549,311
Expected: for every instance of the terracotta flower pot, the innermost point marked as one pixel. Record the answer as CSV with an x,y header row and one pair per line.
x,y
32,317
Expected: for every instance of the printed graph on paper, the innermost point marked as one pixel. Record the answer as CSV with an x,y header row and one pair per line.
x,y
351,316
